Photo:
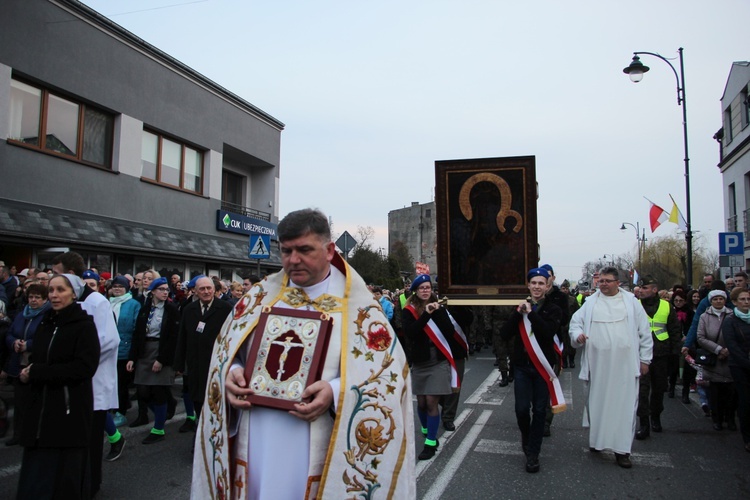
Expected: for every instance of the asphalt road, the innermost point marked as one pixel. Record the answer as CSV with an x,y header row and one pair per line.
x,y
483,458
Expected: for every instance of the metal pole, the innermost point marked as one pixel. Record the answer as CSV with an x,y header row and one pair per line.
x,y
688,222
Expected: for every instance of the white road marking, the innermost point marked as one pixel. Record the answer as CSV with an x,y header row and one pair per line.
x,y
458,456
650,459
476,398
566,380
446,438
10,470
499,447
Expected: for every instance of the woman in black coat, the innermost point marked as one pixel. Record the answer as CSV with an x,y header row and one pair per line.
x,y
431,341
60,403
152,355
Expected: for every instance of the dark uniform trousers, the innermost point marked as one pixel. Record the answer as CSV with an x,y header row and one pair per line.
x,y
653,385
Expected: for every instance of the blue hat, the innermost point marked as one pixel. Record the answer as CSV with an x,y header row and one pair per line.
x,y
422,278
537,271
548,268
122,281
192,282
90,275
157,282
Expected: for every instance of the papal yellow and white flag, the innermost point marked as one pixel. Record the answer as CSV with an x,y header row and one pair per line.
x,y
676,216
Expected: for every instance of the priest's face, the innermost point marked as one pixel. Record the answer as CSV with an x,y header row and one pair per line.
x,y
307,259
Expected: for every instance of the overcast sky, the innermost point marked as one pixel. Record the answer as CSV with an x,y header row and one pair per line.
x,y
373,92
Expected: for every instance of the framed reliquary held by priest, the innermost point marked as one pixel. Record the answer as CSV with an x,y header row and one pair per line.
x,y
287,354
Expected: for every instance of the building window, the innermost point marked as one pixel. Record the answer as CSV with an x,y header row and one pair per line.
x,y
728,133
170,162
49,122
745,106
231,188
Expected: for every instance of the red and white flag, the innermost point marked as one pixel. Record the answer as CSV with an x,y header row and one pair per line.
x,y
656,215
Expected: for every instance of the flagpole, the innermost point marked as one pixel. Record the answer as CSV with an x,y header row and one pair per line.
x,y
636,71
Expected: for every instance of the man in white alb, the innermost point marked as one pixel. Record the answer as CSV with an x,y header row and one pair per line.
x,y
613,330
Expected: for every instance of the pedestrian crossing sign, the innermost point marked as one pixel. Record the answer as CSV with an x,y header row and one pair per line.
x,y
260,246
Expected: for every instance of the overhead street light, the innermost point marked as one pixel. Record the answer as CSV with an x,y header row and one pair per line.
x,y
636,70
641,240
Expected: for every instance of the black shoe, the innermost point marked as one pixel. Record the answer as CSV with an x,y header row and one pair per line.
x,y
510,376
188,425
153,438
718,426
731,426
504,379
572,364
685,399
449,426
656,424
141,420
565,364
532,464
643,430
547,432
623,460
670,393
115,450
12,441
428,452
478,348
706,410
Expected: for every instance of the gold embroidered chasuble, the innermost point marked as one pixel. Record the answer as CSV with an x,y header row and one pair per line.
x,y
368,450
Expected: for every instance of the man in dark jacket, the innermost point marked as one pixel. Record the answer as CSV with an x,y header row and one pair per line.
x,y
201,322
666,332
530,387
558,298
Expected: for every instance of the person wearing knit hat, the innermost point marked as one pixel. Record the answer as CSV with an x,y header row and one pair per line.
x,y
125,310
666,333
711,338
533,325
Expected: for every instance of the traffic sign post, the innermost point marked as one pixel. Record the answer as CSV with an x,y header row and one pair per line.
x,y
732,251
346,243
260,248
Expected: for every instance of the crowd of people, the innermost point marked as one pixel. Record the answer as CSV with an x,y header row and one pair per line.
x,y
76,343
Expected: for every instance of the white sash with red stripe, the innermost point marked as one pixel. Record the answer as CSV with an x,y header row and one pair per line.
x,y
437,338
534,350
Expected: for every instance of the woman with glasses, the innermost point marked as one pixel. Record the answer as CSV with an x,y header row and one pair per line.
x,y
19,342
152,354
434,345
737,336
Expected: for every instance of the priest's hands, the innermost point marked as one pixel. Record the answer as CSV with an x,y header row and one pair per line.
x,y
237,390
644,369
582,338
316,400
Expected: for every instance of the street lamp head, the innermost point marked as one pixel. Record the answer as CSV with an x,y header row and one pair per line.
x,y
622,228
636,70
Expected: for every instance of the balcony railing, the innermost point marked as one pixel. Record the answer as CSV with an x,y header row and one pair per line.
x,y
732,223
246,211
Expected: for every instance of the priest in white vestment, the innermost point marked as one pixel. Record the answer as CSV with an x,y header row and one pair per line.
x,y
613,331
352,434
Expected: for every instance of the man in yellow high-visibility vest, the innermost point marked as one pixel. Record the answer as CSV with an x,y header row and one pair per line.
x,y
666,333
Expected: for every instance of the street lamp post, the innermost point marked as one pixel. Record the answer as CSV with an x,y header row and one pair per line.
x,y
641,240
636,71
